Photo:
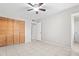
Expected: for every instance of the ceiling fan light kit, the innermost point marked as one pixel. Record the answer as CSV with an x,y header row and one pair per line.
x,y
36,9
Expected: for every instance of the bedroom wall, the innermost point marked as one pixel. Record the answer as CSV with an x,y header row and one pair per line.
x,y
76,24
56,28
76,29
17,12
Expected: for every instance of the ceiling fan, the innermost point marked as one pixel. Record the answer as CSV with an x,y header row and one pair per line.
x,y
36,7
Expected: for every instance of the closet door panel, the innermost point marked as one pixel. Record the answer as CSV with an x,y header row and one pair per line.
x,y
3,31
2,40
16,32
22,37
22,31
10,32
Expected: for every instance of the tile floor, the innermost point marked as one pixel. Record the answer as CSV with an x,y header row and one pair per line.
x,y
35,48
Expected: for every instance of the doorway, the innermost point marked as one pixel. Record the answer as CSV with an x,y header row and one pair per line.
x,y
36,30
75,32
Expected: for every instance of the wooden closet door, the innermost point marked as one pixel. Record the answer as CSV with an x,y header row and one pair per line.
x,y
10,32
3,31
16,32
22,31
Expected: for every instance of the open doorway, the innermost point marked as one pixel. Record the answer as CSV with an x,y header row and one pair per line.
x,y
36,30
75,32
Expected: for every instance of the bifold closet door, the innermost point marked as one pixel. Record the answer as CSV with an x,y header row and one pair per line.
x,y
16,32
10,32
3,32
22,31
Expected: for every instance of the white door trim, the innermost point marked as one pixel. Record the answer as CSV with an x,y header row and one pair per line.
x,y
72,27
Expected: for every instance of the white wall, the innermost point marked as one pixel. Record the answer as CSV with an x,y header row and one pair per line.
x,y
56,29
16,11
76,24
76,29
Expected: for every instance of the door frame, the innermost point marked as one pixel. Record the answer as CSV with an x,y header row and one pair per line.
x,y
72,27
40,30
36,22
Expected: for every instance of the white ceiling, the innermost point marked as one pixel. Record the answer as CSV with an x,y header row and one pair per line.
x,y
51,8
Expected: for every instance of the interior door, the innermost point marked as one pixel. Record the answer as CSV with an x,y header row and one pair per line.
x,y
3,32
39,31
36,31
10,32
16,32
21,31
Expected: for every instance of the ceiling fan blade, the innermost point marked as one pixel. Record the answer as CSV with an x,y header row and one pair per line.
x,y
29,9
30,4
42,9
40,4
36,12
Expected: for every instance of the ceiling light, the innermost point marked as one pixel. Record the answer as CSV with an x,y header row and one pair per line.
x,y
36,9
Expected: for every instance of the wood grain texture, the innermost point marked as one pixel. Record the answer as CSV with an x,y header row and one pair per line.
x,y
16,32
3,31
10,34
11,31
22,31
